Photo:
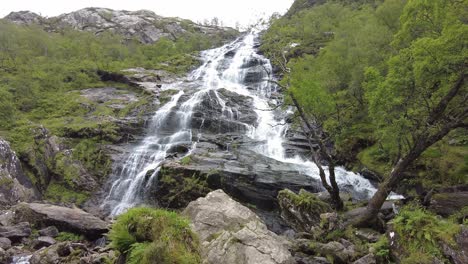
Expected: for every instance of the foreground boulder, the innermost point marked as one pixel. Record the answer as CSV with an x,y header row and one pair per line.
x,y
232,233
65,219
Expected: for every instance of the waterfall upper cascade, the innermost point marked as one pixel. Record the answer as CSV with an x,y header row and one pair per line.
x,y
230,76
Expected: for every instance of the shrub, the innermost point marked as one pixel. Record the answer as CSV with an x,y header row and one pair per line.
x,y
154,236
421,233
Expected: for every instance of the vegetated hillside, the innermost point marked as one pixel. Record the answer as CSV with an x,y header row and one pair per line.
x,y
60,101
344,54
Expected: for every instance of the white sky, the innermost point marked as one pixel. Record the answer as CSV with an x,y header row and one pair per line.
x,y
228,11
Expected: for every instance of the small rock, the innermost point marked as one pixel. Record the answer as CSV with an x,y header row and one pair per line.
x,y
5,243
367,259
50,231
6,218
17,232
331,221
43,241
368,235
342,252
3,256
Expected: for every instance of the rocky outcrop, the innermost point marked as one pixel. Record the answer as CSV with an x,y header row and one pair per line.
x,y
232,234
65,219
242,173
457,254
143,25
302,211
14,184
447,204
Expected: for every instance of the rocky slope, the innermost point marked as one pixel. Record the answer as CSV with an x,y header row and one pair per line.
x,y
143,25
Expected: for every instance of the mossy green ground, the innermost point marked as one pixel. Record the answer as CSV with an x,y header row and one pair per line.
x,y
149,236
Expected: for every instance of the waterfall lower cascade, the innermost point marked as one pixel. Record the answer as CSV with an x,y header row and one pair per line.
x,y
236,69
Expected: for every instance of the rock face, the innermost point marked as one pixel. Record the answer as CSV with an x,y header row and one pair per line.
x,y
65,219
143,25
14,185
232,234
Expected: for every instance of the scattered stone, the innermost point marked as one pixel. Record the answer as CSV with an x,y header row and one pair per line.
x,y
220,221
368,235
50,231
65,219
16,232
42,241
367,259
5,243
341,252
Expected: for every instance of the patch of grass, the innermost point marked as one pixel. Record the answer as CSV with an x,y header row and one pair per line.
x,y
148,235
382,249
421,233
305,200
373,159
67,236
59,193
186,160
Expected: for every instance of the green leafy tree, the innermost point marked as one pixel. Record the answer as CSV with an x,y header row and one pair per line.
x,y
424,95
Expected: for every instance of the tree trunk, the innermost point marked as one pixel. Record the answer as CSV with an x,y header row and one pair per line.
x,y
396,175
333,188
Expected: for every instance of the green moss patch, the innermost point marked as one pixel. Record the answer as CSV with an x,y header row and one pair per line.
x,y
148,236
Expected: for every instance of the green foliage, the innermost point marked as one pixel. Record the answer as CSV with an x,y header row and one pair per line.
x,y
60,192
421,232
369,73
186,160
382,249
154,236
305,200
67,236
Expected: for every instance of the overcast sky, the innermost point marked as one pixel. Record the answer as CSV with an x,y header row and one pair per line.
x,y
229,11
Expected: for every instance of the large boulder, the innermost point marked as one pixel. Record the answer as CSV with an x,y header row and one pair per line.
x,y
232,234
446,204
65,219
14,184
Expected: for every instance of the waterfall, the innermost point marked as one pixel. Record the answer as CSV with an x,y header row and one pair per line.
x,y
229,67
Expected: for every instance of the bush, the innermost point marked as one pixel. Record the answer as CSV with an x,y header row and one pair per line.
x,y
147,235
422,232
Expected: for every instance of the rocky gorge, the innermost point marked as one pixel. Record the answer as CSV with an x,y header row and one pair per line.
x,y
212,146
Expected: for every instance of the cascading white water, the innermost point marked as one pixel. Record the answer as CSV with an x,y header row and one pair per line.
x,y
171,125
